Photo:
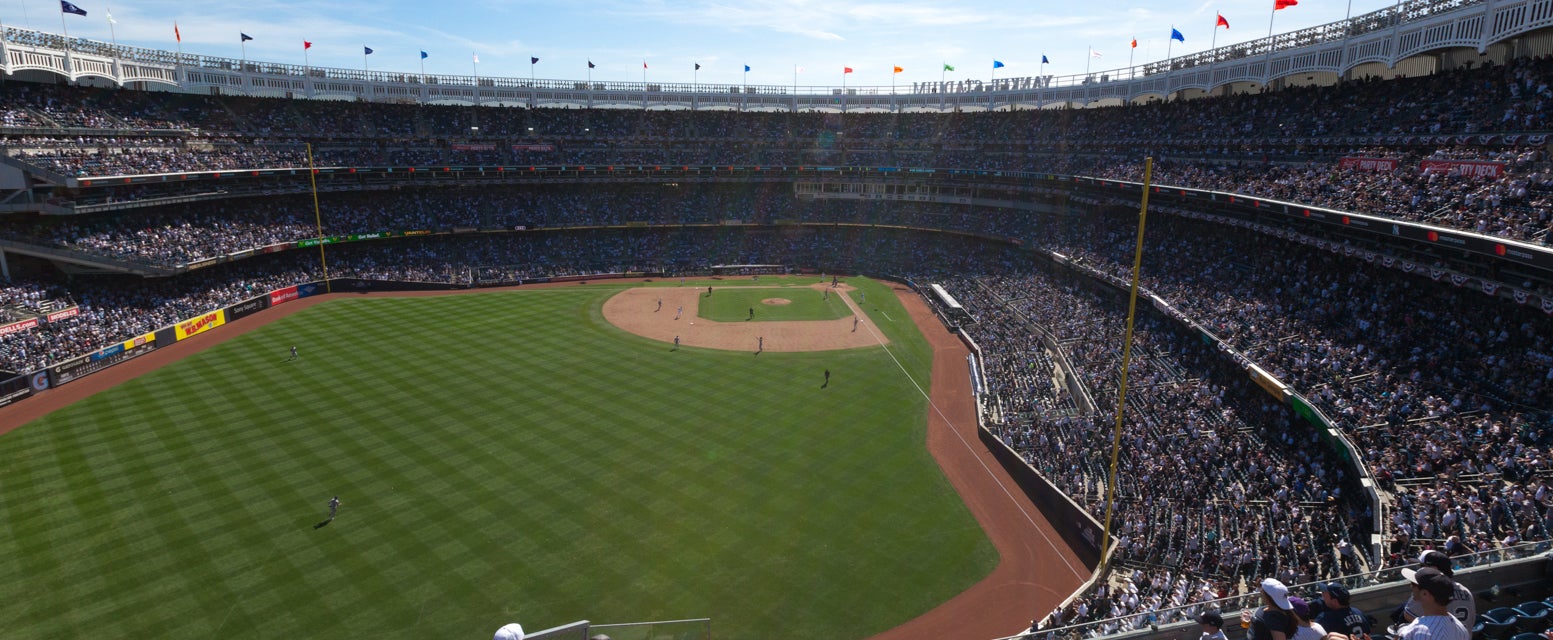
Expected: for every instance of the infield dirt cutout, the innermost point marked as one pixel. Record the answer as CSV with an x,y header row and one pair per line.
x,y
637,311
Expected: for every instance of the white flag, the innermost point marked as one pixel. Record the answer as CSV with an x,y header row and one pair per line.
x,y
1094,54
800,69
111,20
477,58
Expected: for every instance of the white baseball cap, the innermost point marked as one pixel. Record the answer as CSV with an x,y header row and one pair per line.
x,y
1278,592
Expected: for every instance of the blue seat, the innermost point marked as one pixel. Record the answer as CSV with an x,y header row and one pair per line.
x,y
1534,615
1527,636
1498,623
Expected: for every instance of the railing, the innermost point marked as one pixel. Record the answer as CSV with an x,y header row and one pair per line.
x,y
1146,619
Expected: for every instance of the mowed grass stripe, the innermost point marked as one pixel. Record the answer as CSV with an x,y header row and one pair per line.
x,y
502,456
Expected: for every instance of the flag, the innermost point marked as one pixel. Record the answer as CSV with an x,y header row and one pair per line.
x,y
366,51
590,64
1044,60
798,70
306,45
477,58
1277,4
533,60
424,55
1221,23
644,64
898,69
1134,43
176,34
997,65
948,67
746,68
244,37
111,20
66,7
698,67
846,70
1175,35
1094,54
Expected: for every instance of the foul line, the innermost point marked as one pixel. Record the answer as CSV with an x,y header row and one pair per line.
x,y
972,451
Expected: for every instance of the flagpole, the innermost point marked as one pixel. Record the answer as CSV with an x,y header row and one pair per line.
x,y
476,66
364,68
1040,84
69,66
1215,43
1169,44
941,75
115,38
1132,52
1342,58
1267,62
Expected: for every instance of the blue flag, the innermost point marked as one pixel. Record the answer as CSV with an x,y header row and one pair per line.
x,y
423,55
590,64
746,68
245,37
366,51
65,7
999,65
1176,35
533,60
698,66
1044,60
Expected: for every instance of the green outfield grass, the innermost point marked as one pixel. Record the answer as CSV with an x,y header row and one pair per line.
x,y
733,304
501,457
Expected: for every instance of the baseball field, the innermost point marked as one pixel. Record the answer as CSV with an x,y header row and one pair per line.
x,y
501,456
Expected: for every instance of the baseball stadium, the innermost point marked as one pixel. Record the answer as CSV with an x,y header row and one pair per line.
x,y
1262,331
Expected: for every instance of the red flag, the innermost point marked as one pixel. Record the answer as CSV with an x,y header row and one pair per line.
x,y
644,64
1134,43
846,69
1222,23
306,45
1284,4
176,34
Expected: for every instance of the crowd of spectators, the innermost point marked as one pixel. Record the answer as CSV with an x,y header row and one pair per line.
x,y
1283,144
1222,483
181,234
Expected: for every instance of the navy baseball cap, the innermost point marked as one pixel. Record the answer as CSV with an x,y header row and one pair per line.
x,y
1338,593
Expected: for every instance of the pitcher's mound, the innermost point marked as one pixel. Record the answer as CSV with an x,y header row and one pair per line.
x,y
776,301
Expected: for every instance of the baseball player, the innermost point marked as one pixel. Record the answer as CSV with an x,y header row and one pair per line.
x,y
760,343
854,324
660,306
678,312
676,343
293,352
334,507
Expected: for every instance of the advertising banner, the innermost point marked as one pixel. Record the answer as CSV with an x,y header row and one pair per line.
x,y
16,327
94,362
1368,164
200,324
282,296
474,147
1468,168
64,313
247,308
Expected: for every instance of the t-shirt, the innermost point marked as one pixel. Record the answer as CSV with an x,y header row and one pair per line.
x,y
1462,606
1347,621
1434,628
1266,620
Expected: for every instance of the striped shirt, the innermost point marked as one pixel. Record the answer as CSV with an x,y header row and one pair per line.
x,y
1445,627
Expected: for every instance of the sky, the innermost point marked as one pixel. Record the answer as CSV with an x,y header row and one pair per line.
x,y
671,36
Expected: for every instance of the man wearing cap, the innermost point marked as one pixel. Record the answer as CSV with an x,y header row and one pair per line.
x,y
1212,626
1275,619
1462,605
1338,616
1432,591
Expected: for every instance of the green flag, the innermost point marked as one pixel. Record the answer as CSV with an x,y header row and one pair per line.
x,y
948,67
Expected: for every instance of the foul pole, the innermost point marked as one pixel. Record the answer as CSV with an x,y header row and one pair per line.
x,y
318,218
1121,394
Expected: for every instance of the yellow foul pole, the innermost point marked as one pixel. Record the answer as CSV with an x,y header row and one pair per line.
x,y
318,218
1121,394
